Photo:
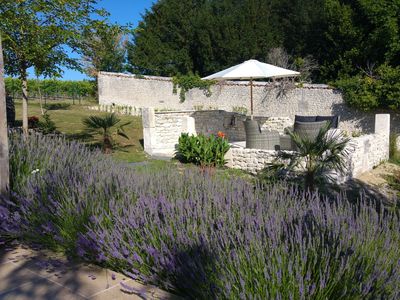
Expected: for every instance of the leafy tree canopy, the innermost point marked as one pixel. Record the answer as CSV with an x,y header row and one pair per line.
x,y
103,47
36,31
199,36
182,36
35,34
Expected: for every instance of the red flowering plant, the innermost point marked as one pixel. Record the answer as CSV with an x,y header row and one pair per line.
x,y
221,135
33,122
206,151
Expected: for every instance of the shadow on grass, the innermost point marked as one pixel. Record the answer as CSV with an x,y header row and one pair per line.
x,y
122,148
357,191
80,136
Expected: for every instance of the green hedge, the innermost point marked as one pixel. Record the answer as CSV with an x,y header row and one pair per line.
x,y
51,88
373,91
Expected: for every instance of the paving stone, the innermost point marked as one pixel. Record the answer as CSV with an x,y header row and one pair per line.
x,y
13,275
140,292
40,274
15,253
41,289
47,265
115,293
87,280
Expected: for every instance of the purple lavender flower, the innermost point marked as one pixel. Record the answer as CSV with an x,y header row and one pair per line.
x,y
127,288
191,232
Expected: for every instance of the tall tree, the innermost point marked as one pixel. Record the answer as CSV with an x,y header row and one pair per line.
x,y
345,36
35,33
202,36
4,163
103,47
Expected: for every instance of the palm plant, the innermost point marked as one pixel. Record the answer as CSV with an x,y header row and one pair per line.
x,y
106,126
315,159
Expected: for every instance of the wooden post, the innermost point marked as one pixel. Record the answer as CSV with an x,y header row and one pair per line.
x,y
251,98
4,161
25,123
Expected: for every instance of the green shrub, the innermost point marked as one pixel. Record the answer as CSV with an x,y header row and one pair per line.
x,y
47,126
368,92
57,106
393,151
203,150
393,181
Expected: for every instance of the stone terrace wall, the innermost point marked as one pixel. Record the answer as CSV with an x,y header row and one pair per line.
x,y
161,130
366,152
250,160
156,92
370,150
169,128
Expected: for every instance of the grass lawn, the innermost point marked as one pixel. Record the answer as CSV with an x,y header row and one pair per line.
x,y
69,122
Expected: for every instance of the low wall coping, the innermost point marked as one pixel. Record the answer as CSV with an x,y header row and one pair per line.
x,y
174,112
228,82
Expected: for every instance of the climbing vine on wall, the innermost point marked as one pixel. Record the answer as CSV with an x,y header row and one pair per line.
x,y
188,82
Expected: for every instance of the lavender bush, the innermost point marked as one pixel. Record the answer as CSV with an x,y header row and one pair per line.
x,y
200,235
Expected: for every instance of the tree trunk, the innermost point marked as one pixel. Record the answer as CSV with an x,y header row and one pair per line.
x,y
107,144
40,96
310,182
4,162
24,81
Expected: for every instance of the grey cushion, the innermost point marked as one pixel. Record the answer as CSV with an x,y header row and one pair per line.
x,y
305,118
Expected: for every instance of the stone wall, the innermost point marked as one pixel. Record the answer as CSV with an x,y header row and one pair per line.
x,y
168,126
370,150
269,100
365,152
161,131
250,160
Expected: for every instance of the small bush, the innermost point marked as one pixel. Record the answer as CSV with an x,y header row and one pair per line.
x,y
47,126
57,106
203,150
33,122
393,181
393,151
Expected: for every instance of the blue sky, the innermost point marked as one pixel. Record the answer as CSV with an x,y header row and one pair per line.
x,y
122,12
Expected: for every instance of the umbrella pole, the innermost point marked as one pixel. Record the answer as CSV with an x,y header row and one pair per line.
x,y
251,98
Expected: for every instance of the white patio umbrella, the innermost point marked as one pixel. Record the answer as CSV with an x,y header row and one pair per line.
x,y
252,69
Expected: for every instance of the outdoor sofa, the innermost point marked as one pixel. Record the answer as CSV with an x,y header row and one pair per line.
x,y
307,126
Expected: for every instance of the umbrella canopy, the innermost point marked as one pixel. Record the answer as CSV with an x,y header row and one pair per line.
x,y
252,69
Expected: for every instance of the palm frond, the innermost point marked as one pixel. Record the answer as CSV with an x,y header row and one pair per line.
x,y
101,122
103,125
315,158
121,132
